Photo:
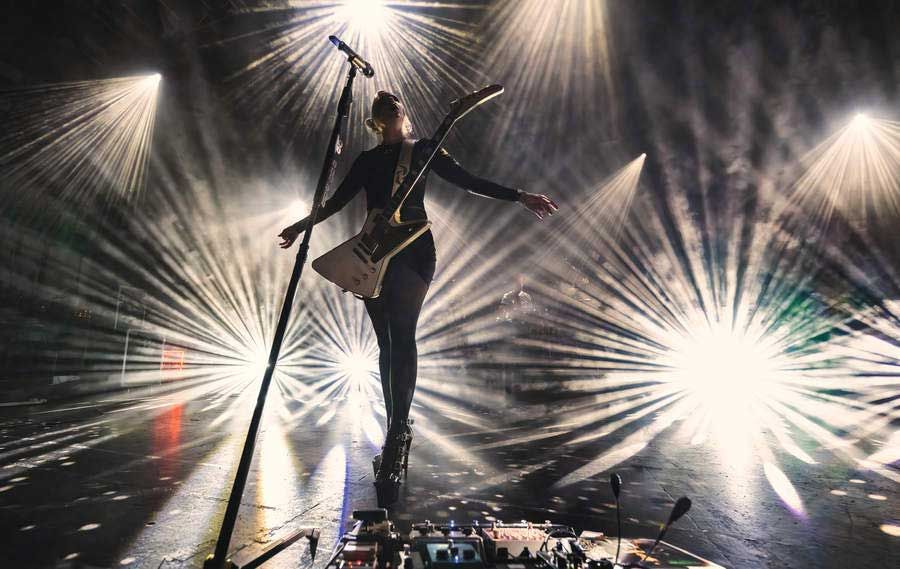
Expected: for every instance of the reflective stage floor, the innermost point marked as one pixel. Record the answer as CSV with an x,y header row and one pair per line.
x,y
141,479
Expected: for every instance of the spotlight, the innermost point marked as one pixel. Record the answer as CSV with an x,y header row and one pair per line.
x,y
861,120
84,138
364,15
724,367
256,361
358,367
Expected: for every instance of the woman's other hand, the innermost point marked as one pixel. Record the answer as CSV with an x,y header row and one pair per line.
x,y
289,234
538,204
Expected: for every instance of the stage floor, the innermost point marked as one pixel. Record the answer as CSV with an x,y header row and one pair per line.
x,y
141,480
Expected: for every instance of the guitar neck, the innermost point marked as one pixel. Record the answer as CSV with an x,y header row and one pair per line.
x,y
418,168
458,109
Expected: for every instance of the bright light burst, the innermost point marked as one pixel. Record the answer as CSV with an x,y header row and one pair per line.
x,y
553,57
365,17
419,50
80,140
719,326
725,368
358,368
855,171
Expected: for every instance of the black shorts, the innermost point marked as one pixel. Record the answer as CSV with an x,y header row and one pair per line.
x,y
420,256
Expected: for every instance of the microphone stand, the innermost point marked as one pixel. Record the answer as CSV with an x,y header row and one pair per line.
x,y
218,559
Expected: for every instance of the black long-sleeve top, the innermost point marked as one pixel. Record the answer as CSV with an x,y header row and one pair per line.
x,y
374,170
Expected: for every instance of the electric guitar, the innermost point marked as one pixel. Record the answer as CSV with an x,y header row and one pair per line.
x,y
359,264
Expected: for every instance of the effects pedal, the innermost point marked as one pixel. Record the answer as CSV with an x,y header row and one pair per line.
x,y
372,543
444,547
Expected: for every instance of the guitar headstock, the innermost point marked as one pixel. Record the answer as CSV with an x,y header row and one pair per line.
x,y
464,105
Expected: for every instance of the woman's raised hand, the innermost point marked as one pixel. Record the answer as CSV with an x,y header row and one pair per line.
x,y
538,204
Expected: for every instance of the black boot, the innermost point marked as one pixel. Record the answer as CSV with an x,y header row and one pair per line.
x,y
390,469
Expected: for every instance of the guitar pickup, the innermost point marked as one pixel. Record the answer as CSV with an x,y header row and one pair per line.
x,y
361,256
367,244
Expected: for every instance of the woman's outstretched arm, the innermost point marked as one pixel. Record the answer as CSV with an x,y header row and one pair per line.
x,y
351,185
449,169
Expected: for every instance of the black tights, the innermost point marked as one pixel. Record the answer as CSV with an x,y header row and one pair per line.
x,y
394,316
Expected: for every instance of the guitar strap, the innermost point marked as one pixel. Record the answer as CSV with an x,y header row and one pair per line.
x,y
402,169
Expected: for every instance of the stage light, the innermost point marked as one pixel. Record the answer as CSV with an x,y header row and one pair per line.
x,y
82,139
364,16
551,54
358,367
861,120
724,367
258,362
856,170
414,48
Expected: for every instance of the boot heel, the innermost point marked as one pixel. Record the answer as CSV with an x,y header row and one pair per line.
x,y
407,447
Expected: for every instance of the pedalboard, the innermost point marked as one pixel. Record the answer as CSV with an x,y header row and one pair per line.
x,y
374,543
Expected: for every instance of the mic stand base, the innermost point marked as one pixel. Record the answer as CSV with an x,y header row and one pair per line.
x,y
256,555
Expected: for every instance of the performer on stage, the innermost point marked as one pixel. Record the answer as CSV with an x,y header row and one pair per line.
x,y
395,312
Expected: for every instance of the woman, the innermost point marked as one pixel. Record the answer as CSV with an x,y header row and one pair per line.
x,y
395,312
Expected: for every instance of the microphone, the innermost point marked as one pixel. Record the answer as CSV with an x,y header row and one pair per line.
x,y
682,505
354,57
616,482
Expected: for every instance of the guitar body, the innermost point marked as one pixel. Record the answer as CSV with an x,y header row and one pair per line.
x,y
359,264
